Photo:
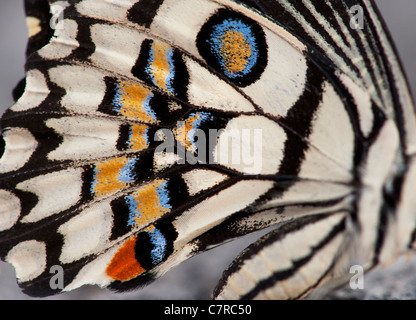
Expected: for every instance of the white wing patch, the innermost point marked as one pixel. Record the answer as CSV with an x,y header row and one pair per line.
x,y
36,92
363,101
280,85
28,258
56,192
9,209
251,145
84,87
182,20
199,179
20,145
86,233
406,217
117,47
214,210
84,138
281,256
33,26
283,81
63,43
333,136
309,192
111,10
94,273
374,177
308,276
202,85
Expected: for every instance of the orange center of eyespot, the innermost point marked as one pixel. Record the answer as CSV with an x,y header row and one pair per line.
x,y
235,51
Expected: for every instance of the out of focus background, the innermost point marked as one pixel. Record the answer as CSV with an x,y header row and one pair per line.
x,y
196,278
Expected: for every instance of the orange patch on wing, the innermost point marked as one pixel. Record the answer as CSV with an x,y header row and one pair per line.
x,y
124,265
182,131
106,176
149,203
138,139
235,51
134,99
160,68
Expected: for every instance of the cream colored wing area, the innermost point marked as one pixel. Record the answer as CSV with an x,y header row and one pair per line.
x,y
20,145
251,145
331,152
288,262
211,212
28,258
36,91
84,138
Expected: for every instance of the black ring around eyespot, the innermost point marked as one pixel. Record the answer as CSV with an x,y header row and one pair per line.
x,y
235,46
2,146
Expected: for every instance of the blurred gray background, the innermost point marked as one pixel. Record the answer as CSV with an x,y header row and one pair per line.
x,y
196,278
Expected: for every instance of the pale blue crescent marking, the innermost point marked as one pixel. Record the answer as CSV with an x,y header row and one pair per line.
x,y
200,118
94,181
133,210
163,195
159,242
148,108
127,174
117,99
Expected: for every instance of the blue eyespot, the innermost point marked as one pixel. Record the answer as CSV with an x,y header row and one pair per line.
x,y
234,46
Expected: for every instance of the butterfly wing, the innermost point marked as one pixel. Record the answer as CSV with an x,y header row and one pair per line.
x,y
365,70
150,131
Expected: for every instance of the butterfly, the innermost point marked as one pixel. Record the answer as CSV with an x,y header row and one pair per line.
x,y
146,132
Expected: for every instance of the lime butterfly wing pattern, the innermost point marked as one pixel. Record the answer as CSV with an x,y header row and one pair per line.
x,y
146,132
